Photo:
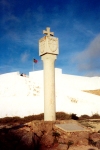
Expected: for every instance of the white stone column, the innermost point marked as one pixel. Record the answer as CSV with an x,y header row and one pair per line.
x,y
48,50
49,87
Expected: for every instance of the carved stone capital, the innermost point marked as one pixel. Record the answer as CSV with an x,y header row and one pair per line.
x,y
48,44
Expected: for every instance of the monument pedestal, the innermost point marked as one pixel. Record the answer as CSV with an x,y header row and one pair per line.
x,y
49,87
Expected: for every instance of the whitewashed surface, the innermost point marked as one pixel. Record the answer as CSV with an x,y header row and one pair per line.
x,y
23,96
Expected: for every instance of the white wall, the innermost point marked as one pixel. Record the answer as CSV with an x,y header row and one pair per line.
x,y
80,82
23,96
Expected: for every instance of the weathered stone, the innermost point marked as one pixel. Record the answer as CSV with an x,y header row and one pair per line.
x,y
82,142
98,144
27,129
40,133
17,133
62,147
94,137
27,139
69,134
61,140
43,147
47,139
48,126
83,134
34,127
35,139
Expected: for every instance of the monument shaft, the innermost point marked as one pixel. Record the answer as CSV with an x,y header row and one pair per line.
x,y
48,50
49,87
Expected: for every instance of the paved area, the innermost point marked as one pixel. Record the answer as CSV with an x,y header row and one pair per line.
x,y
71,127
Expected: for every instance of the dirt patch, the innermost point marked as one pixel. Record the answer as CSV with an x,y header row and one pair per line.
x,y
93,124
96,92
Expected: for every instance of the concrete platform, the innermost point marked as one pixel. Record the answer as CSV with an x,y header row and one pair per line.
x,y
71,127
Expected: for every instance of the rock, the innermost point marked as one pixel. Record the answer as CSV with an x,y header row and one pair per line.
x,y
27,129
94,137
35,139
26,141
40,134
85,135
47,139
98,131
62,147
98,144
83,142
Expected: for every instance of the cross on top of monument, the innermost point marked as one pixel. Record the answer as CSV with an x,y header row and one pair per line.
x,y
47,32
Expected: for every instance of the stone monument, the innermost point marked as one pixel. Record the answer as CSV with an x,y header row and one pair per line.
x,y
48,50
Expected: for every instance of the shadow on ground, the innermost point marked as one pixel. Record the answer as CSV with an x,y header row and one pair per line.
x,y
17,139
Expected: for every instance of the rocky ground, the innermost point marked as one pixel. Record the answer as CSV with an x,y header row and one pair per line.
x,y
40,135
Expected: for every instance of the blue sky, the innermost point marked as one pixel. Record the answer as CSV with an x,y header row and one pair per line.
x,y
75,22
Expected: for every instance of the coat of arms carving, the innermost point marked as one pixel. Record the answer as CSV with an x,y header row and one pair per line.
x,y
53,43
48,44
